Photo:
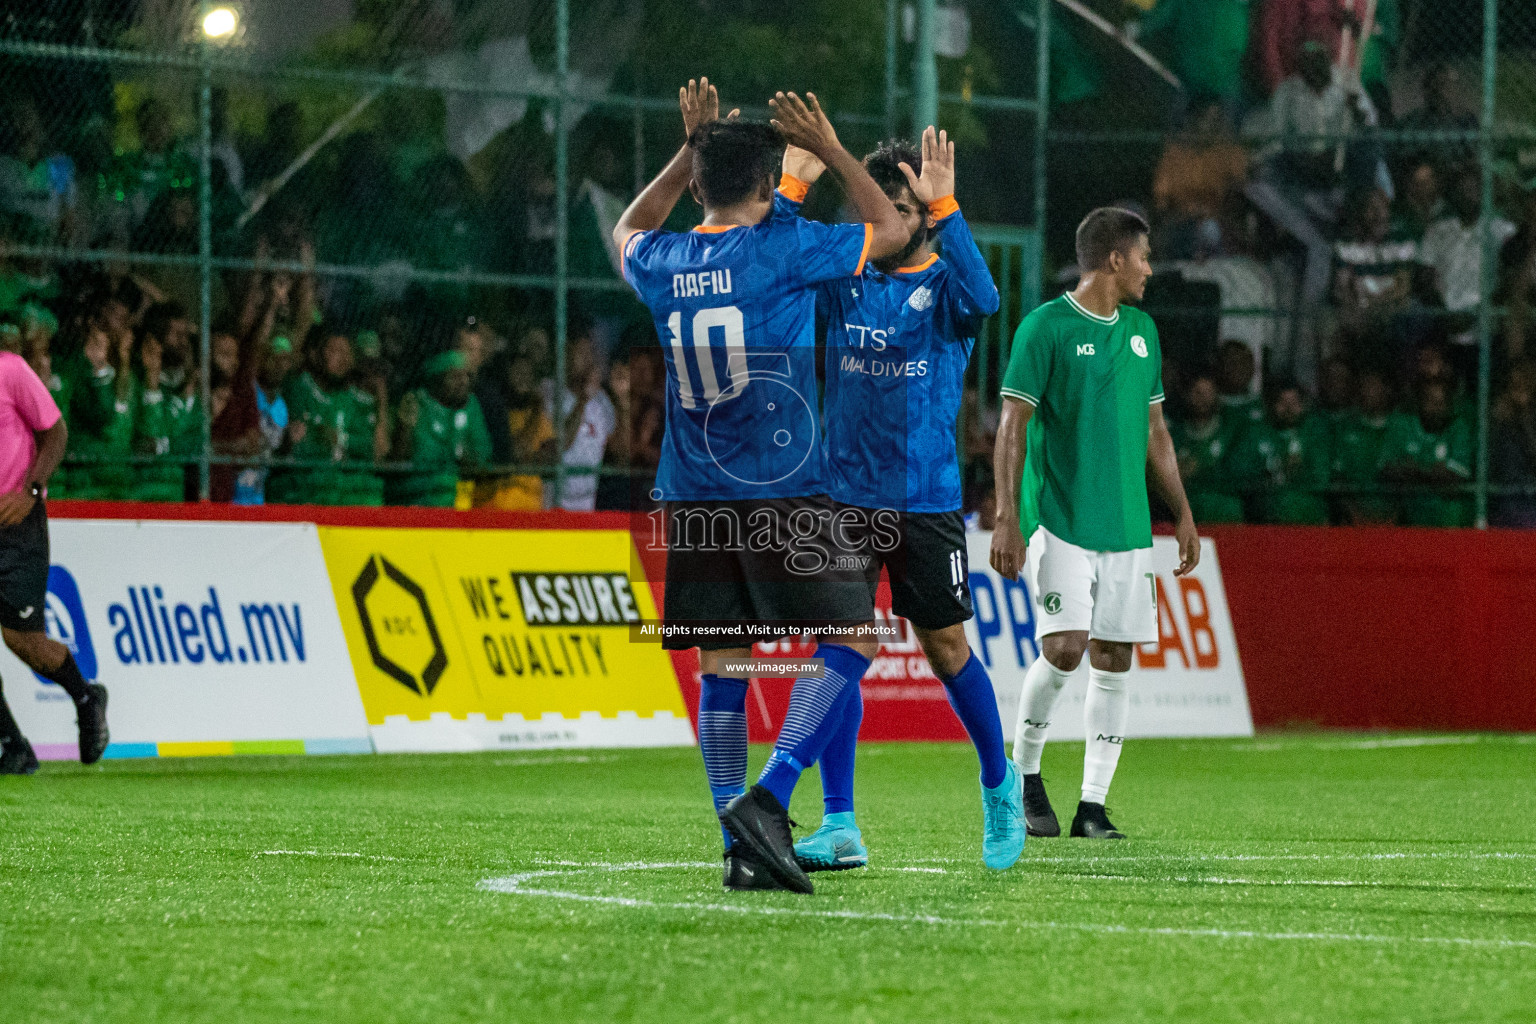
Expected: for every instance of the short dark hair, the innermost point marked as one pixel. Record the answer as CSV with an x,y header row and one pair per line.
x,y
733,159
1108,229
884,164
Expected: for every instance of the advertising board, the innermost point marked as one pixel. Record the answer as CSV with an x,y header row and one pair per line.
x,y
212,638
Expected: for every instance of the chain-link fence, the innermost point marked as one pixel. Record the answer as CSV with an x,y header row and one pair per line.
x,y
261,251
345,204
1341,202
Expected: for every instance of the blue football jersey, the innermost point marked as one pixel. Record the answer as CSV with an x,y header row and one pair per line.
x,y
735,311
897,348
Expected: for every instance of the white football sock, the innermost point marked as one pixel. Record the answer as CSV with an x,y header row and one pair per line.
x,y
1042,685
1105,710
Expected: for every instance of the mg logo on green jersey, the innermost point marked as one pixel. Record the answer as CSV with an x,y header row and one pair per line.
x,y
1139,345
1085,350
1052,602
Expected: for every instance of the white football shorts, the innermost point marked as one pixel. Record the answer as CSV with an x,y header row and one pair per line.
x,y
1111,594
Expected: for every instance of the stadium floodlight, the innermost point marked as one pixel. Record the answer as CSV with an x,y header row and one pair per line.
x,y
221,23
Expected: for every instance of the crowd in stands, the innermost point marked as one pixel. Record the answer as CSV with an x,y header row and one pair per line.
x,y
334,386
339,389
1286,162
317,415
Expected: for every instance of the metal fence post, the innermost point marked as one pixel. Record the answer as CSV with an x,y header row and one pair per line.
x,y
925,72
890,68
1042,125
205,252
562,243
1488,264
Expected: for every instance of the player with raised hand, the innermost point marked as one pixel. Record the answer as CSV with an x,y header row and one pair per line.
x,y
898,340
1082,429
742,471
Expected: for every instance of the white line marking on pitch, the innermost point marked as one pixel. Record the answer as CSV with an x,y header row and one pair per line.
x,y
1219,857
1344,883
321,853
1418,855
1388,743
514,885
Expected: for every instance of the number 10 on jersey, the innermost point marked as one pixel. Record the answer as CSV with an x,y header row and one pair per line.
x,y
727,319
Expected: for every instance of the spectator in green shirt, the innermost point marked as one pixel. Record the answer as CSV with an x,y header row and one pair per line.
x,y
136,178
441,430
1235,370
1202,438
1283,467
330,420
1356,451
100,416
1431,453
167,426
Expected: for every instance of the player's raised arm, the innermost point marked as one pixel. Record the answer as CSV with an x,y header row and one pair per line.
x,y
805,125
700,104
1163,462
1008,474
936,187
800,168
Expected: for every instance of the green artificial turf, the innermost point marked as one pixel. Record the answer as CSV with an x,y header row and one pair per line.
x,y
1318,877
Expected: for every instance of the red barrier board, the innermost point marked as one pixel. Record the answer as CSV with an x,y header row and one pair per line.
x,y
1370,628
1384,628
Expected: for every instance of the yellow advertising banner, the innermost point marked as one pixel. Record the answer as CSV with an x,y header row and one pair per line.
x,y
491,639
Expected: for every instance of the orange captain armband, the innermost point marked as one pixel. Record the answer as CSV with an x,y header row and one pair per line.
x,y
943,206
793,188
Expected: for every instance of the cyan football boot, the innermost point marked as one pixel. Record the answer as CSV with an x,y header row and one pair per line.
x,y
1002,828
836,846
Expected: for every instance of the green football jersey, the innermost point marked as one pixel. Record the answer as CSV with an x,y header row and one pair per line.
x,y
447,441
152,424
1408,441
1091,380
100,429
1356,449
1285,470
1202,453
339,428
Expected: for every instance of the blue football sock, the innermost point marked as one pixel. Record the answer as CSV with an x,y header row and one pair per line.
x,y
815,713
723,739
971,695
837,760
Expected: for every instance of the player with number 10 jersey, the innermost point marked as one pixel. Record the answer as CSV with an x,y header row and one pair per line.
x,y
735,310
751,546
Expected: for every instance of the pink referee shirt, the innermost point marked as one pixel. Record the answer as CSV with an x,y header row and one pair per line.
x,y
25,407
